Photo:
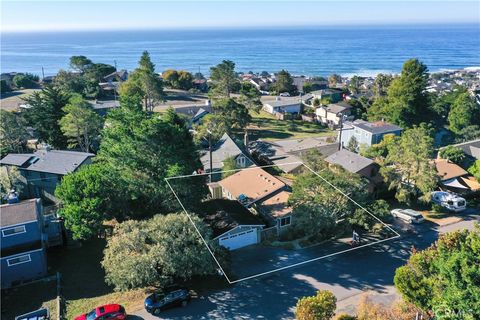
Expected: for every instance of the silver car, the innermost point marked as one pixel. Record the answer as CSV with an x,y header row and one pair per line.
x,y
408,215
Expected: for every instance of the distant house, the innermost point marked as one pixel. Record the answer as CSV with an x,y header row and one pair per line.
x,y
104,106
200,84
286,154
333,113
42,171
23,242
283,105
195,113
225,148
470,148
455,178
117,76
367,133
358,164
261,83
335,95
299,82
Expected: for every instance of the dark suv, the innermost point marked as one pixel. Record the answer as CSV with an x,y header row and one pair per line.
x,y
168,298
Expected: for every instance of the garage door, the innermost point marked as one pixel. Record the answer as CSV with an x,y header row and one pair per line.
x,y
240,239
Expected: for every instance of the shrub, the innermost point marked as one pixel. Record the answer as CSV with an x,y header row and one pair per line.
x,y
345,316
438,208
321,306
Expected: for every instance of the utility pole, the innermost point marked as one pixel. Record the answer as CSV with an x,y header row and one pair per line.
x,y
43,74
340,133
115,63
210,152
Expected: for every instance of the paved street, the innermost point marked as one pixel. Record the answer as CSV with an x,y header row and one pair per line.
x,y
347,276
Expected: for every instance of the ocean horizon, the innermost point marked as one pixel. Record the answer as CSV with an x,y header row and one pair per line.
x,y
312,51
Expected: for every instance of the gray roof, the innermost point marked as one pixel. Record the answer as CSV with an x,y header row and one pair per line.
x,y
350,161
325,91
471,148
223,149
17,213
282,102
338,107
200,114
51,161
16,159
376,127
107,104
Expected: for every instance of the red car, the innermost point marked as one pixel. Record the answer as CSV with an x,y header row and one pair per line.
x,y
109,311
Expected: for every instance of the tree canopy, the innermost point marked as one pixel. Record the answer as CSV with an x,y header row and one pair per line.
x,y
284,83
465,112
225,79
158,252
45,113
408,167
444,278
320,306
13,133
452,153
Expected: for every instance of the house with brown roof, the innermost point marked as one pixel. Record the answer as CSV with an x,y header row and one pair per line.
x,y
455,178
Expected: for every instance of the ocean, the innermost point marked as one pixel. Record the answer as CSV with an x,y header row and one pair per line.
x,y
320,51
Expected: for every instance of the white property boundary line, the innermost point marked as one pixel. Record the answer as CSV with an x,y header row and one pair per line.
x,y
397,235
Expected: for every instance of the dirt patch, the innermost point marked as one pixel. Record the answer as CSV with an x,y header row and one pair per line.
x,y
441,219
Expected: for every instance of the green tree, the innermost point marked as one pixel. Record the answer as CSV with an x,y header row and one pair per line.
x,y
406,102
307,87
185,80
13,133
87,197
353,144
474,169
354,85
334,79
145,82
408,167
464,112
98,71
225,79
283,83
80,63
321,306
379,151
70,82
170,77
381,84
441,104
10,178
158,252
250,97
229,164
234,115
444,277
44,115
80,124
4,87
213,126
25,81
452,153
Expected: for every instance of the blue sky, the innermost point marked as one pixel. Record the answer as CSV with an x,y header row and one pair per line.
x,y
88,15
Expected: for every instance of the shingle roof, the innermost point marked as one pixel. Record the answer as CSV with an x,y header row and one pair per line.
x,y
338,107
471,148
16,213
16,159
282,102
223,149
254,183
53,161
276,205
350,161
448,170
376,127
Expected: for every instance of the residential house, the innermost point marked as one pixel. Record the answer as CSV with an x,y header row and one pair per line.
x,y
317,84
286,154
102,107
23,246
116,76
334,113
43,170
283,105
195,113
200,85
263,194
367,133
233,226
334,95
455,178
470,148
225,148
261,83
358,164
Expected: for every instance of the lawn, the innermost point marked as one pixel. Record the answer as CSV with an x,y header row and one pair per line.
x,y
266,127
11,100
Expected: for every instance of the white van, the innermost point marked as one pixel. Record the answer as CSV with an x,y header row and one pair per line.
x,y
408,215
449,200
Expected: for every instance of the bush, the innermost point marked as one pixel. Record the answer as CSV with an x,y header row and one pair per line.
x,y
26,81
438,208
345,316
321,306
4,87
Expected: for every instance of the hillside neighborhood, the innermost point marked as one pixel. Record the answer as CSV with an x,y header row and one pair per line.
x,y
265,171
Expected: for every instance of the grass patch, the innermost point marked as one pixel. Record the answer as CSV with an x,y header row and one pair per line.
x,y
266,126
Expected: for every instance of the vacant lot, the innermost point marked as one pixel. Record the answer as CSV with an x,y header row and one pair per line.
x,y
266,127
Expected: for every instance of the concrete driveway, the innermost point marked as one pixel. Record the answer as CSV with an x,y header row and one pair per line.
x,y
347,275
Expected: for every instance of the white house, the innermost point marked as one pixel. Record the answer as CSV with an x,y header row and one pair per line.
x,y
283,105
332,113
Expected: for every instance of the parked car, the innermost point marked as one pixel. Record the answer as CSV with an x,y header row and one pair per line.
x,y
408,215
284,94
109,311
449,200
168,298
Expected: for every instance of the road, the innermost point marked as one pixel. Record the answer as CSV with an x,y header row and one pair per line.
x,y
347,275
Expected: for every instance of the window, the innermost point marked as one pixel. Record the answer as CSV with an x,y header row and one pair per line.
x,y
13,231
18,260
285,221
